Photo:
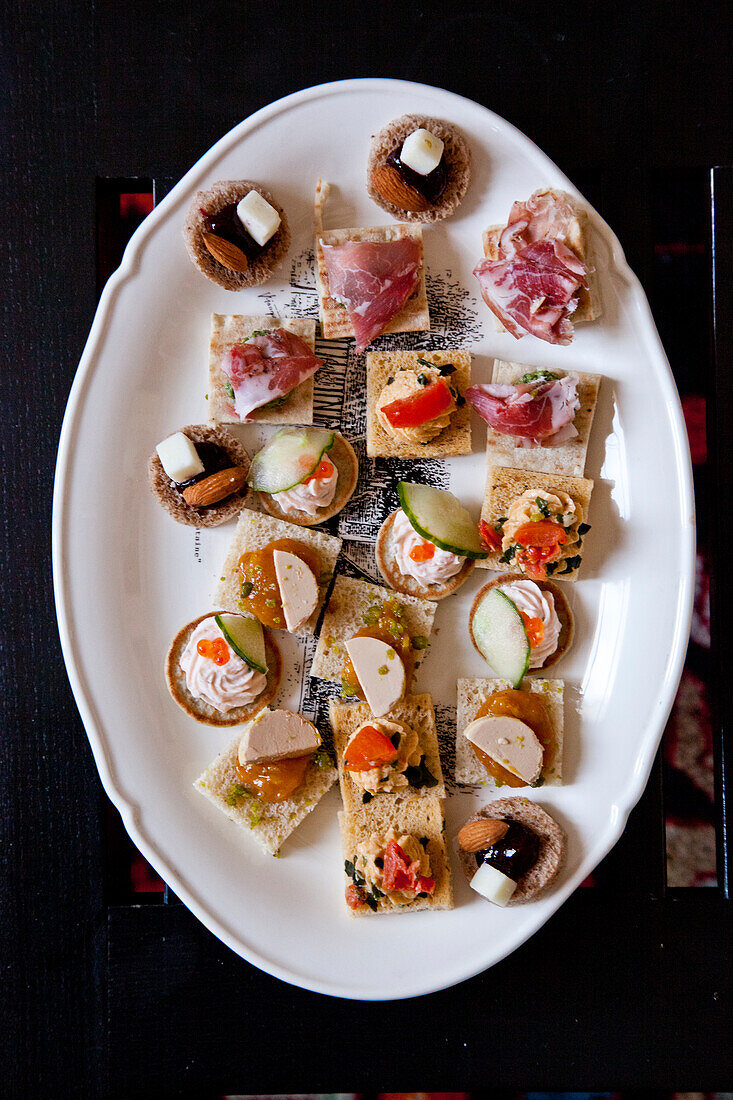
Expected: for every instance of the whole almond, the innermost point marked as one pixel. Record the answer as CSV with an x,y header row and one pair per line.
x,y
226,253
393,188
476,835
215,487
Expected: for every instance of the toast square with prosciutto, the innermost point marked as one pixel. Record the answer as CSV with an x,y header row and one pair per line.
x,y
335,322
350,609
417,713
381,367
229,330
255,531
472,694
562,458
421,819
504,486
269,823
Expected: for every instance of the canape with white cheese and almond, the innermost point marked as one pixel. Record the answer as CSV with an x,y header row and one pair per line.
x,y
304,475
199,475
222,668
429,546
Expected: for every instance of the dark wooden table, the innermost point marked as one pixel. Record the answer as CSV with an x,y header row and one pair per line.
x,y
628,985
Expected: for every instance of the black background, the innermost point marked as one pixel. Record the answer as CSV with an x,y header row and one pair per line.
x,y
624,986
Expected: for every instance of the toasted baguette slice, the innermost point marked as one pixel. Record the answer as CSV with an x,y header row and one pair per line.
x,y
230,329
579,240
565,458
270,823
453,440
562,610
343,456
254,531
344,616
552,845
472,694
203,711
504,485
335,321
385,557
421,818
415,711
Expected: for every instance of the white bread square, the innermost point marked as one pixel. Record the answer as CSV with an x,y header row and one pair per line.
x,y
256,530
472,694
228,329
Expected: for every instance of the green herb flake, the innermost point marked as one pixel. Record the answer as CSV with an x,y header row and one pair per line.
x,y
246,589
347,691
540,376
508,554
258,332
372,615
390,654
420,776
570,565
542,506
419,642
236,792
270,603
382,670
395,739
367,797
255,815
423,379
229,389
584,528
323,760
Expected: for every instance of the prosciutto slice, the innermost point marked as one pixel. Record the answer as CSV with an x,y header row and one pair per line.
x,y
267,367
373,279
532,285
541,413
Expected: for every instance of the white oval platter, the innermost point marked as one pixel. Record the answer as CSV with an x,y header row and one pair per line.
x,y
127,577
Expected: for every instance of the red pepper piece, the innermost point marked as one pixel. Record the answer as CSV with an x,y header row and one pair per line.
x,y
411,412
371,748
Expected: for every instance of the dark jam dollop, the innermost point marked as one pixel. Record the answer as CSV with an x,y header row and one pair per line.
x,y
513,855
431,186
214,459
226,224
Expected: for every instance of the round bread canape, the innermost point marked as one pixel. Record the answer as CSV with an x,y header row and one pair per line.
x,y
456,152
552,845
203,711
171,497
407,585
343,456
213,200
562,610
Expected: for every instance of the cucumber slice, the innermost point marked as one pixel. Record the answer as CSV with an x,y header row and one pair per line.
x,y
497,631
246,639
288,458
441,518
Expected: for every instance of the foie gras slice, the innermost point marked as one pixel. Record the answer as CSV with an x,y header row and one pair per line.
x,y
277,735
509,742
298,588
380,672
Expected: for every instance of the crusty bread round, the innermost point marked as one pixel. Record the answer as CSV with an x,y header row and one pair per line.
x,y
343,456
214,199
457,155
171,497
552,845
562,609
385,555
201,710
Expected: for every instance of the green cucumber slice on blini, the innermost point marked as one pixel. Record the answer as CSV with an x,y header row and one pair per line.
x,y
441,519
498,633
246,638
289,458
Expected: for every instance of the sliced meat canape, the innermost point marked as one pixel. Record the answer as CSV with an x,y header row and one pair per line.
x,y
538,413
373,280
267,366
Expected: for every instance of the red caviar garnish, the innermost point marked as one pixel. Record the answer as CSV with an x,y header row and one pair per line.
x,y
323,470
424,551
535,629
216,650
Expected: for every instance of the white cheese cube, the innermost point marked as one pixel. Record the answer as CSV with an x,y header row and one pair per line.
x,y
258,217
179,458
380,672
493,884
422,152
298,588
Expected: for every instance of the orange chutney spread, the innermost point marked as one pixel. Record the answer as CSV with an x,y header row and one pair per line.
x,y
260,592
387,622
529,708
276,781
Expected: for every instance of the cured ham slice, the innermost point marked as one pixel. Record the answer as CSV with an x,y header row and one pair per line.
x,y
266,367
373,279
532,284
541,413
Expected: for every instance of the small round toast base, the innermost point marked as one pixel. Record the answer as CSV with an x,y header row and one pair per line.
x,y
344,458
172,498
562,609
552,845
408,586
457,155
202,711
215,198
